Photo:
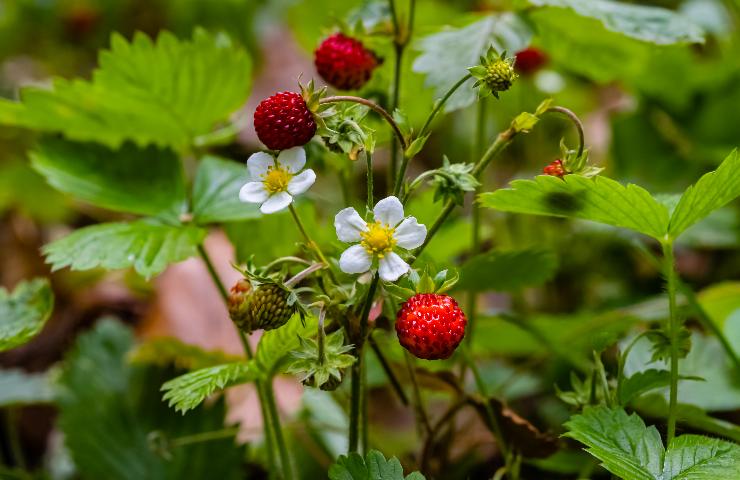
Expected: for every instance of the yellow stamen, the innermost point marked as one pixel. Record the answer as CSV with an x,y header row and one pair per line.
x,y
276,179
378,239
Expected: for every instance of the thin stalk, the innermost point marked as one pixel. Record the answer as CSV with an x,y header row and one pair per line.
x,y
311,244
204,437
364,407
576,122
247,352
16,449
422,419
278,432
369,176
395,383
373,106
674,327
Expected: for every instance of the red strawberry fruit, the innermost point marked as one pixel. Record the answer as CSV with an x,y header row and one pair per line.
x,y
555,169
284,121
430,325
529,60
344,62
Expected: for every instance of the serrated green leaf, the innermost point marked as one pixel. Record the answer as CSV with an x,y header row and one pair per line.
x,y
641,382
598,199
506,270
714,190
146,246
275,345
188,391
165,93
694,457
373,467
216,192
24,312
167,351
625,446
446,56
20,388
143,181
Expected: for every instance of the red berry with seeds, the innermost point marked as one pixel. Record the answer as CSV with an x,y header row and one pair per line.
x,y
529,60
555,169
284,121
344,62
430,325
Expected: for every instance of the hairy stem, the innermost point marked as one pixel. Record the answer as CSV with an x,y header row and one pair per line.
x,y
311,244
374,107
576,122
369,175
674,327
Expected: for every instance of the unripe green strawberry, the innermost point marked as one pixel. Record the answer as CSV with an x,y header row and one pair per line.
x,y
268,307
500,75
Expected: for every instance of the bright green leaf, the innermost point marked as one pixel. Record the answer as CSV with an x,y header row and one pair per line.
x,y
599,199
146,246
508,270
641,382
24,312
694,457
20,388
143,181
714,190
188,391
216,192
165,93
446,56
373,467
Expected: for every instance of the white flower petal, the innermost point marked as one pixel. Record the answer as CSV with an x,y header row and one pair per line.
x,y
388,211
349,224
410,234
293,159
257,164
391,267
276,202
301,182
253,192
355,260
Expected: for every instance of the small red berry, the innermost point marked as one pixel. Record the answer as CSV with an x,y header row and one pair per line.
x,y
344,62
555,169
284,121
529,60
430,325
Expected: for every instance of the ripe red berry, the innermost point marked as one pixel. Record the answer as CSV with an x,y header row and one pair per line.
x,y
430,325
284,121
555,169
529,60
344,62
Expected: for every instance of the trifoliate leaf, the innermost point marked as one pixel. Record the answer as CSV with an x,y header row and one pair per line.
x,y
20,388
188,391
24,312
145,181
145,245
507,270
216,192
165,92
373,467
598,199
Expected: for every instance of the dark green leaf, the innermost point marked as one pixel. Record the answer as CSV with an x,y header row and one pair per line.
x,y
641,382
146,246
216,192
24,312
275,345
373,467
506,270
143,181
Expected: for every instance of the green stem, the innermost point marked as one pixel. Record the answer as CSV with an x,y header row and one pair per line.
x,y
373,106
674,327
311,244
247,352
364,407
16,449
278,432
395,383
204,437
369,175
422,419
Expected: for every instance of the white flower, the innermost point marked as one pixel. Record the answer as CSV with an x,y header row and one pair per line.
x,y
274,182
378,239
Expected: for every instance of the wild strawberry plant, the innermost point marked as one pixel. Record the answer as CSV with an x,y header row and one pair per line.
x,y
142,138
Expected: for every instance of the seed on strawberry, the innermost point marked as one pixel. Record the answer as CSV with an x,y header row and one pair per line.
x,y
555,169
264,307
430,325
529,60
284,121
344,62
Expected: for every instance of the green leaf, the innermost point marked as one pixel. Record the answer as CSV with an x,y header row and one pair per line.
x,y
166,93
507,270
599,199
188,391
694,457
641,382
146,246
142,181
216,192
625,446
275,345
167,351
20,388
446,56
373,467
24,312
713,190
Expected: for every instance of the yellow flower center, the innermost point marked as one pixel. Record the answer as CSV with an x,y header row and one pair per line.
x,y
378,239
276,179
